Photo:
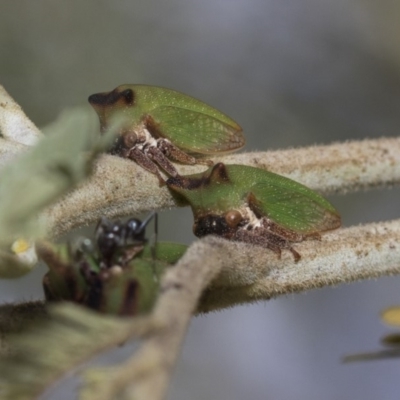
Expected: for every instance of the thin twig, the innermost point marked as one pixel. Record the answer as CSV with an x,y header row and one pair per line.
x,y
14,124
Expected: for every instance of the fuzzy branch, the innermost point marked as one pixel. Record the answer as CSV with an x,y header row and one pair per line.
x,y
251,273
214,273
119,187
146,375
14,124
234,273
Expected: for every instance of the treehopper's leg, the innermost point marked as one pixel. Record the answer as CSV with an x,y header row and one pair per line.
x,y
296,255
264,238
158,156
312,236
171,151
146,163
287,233
243,235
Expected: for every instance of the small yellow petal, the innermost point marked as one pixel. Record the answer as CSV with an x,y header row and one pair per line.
x,y
391,316
25,251
20,246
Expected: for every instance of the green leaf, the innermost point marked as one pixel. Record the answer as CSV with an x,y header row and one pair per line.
x,y
130,291
40,176
52,347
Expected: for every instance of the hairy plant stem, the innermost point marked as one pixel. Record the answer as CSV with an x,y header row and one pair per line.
x,y
214,273
119,187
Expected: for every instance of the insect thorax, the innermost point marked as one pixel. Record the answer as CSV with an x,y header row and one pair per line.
x,y
144,139
251,220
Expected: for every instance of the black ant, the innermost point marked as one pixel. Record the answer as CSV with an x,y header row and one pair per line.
x,y
119,242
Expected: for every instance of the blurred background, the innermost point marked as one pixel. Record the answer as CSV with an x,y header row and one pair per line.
x,y
292,73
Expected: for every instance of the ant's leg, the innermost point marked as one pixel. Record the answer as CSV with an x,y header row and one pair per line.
x,y
155,232
153,247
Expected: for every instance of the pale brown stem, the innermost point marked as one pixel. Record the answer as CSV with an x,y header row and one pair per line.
x,y
248,274
119,187
146,375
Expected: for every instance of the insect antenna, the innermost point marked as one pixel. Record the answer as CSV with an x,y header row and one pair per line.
x,y
135,234
136,230
153,247
145,222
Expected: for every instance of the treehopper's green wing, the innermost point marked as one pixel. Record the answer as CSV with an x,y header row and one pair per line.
x,y
293,206
197,132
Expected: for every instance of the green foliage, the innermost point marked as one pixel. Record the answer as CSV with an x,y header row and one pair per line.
x,y
42,175
129,289
54,345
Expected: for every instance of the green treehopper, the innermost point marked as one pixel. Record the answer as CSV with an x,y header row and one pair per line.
x,y
255,206
161,124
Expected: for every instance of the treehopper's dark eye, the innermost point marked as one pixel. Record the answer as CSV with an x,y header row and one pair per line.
x,y
128,96
210,224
